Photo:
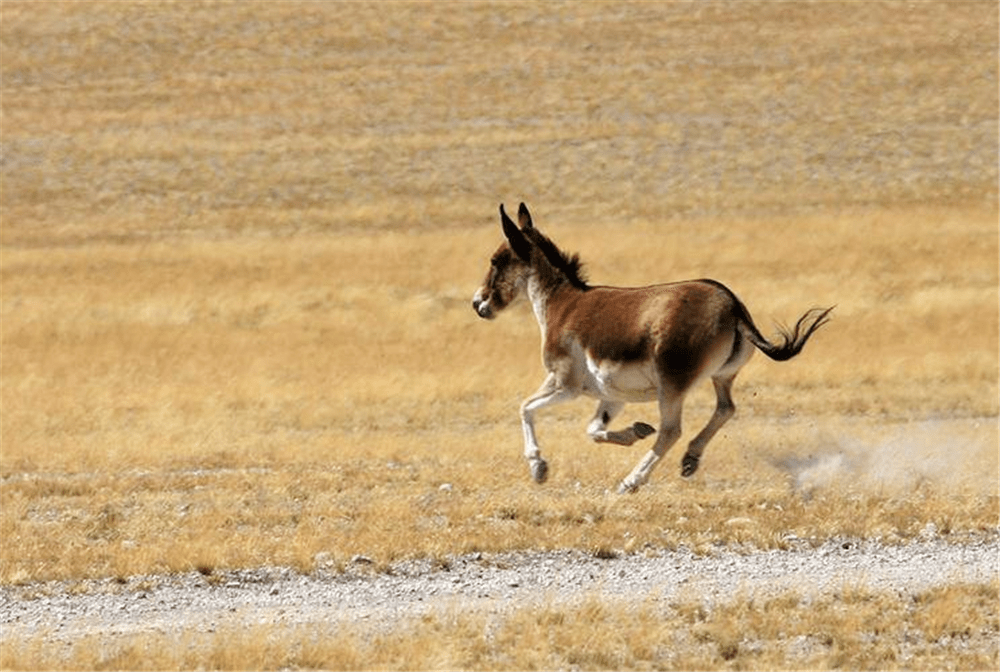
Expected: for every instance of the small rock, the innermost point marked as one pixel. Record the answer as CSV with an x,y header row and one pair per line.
x,y
362,560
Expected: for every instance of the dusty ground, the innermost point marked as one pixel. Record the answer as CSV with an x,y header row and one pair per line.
x,y
494,583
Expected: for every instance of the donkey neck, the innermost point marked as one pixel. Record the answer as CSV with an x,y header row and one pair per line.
x,y
551,272
539,297
541,289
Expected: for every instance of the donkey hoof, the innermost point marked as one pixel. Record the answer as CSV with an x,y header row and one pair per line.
x,y
539,470
626,489
689,465
642,430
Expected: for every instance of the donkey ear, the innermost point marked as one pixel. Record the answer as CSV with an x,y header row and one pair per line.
x,y
518,242
524,217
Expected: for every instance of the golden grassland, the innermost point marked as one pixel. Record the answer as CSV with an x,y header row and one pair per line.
x,y
246,403
953,627
239,243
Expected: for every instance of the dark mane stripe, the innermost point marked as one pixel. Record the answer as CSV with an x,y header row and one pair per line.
x,y
568,265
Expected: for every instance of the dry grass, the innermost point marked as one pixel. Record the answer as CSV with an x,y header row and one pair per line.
x,y
237,269
246,403
239,243
128,121
855,628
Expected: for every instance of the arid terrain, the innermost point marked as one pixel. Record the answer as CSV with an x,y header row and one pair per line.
x,y
238,247
692,607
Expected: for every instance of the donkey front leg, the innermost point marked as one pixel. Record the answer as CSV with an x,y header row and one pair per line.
x,y
551,392
598,427
670,431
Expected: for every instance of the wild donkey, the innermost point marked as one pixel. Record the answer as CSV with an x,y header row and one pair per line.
x,y
623,345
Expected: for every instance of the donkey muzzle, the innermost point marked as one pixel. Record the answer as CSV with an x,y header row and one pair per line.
x,y
482,308
481,304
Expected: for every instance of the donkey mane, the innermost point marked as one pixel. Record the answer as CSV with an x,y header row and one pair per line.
x,y
567,265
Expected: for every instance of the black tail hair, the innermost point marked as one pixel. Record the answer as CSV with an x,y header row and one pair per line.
x,y
793,340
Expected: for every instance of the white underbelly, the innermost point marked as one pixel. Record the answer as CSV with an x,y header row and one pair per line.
x,y
620,381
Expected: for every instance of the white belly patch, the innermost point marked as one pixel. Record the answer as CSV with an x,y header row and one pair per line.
x,y
620,381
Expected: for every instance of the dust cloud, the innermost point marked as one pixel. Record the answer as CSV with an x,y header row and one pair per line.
x,y
949,454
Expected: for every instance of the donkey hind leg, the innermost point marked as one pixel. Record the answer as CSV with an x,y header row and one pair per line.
x,y
724,409
670,431
551,392
598,427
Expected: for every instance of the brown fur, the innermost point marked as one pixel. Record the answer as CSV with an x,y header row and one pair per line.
x,y
627,344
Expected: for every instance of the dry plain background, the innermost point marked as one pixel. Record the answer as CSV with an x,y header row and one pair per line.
x,y
239,243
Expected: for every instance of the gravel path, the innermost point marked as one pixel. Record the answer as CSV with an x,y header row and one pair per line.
x,y
493,583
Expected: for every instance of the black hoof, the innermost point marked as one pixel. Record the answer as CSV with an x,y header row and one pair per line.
x,y
642,430
540,471
689,465
624,489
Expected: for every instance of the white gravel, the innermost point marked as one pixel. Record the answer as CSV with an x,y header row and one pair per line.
x,y
490,583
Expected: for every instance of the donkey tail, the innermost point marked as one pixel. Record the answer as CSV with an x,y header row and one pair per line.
x,y
792,340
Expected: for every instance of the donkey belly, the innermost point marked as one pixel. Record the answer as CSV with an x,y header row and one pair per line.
x,y
620,381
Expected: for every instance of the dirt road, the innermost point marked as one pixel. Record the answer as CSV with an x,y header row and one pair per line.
x,y
493,584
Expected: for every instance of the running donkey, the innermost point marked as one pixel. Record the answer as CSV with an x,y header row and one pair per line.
x,y
623,345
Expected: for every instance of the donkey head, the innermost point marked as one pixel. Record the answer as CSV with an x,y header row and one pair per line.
x,y
510,267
